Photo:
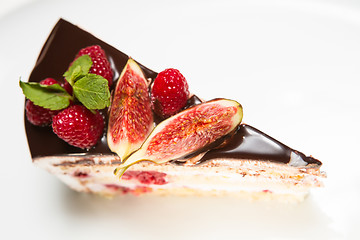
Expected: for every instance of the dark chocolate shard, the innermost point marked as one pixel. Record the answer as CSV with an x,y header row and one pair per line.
x,y
250,143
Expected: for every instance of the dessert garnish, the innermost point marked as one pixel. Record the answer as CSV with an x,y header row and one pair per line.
x,y
73,111
79,126
131,118
187,132
38,115
169,93
101,65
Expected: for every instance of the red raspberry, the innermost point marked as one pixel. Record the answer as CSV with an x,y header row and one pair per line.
x,y
66,85
48,81
78,126
37,115
101,65
169,93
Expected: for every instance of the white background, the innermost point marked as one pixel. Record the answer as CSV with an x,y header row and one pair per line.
x,y
293,65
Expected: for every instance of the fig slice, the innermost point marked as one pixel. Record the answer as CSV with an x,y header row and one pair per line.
x,y
131,118
187,132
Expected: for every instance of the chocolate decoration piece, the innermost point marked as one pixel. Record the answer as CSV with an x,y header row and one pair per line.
x,y
58,52
250,143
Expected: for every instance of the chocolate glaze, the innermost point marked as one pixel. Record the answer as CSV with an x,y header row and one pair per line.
x,y
65,41
250,143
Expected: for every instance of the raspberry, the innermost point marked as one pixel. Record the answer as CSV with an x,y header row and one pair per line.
x,y
101,65
169,93
78,126
66,85
37,115
48,81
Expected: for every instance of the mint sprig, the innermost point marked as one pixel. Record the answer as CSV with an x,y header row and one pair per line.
x,y
53,97
93,91
90,89
78,69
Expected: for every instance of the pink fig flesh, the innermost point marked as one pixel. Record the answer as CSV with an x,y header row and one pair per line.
x,y
187,132
131,119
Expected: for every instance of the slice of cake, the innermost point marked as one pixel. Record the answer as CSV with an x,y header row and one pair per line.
x,y
230,158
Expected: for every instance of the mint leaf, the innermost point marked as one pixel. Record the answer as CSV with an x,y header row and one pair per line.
x,y
53,97
76,73
93,91
78,69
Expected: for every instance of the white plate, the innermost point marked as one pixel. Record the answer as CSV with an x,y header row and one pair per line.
x,y
294,66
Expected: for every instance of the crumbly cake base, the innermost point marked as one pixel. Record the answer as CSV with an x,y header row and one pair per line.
x,y
254,180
